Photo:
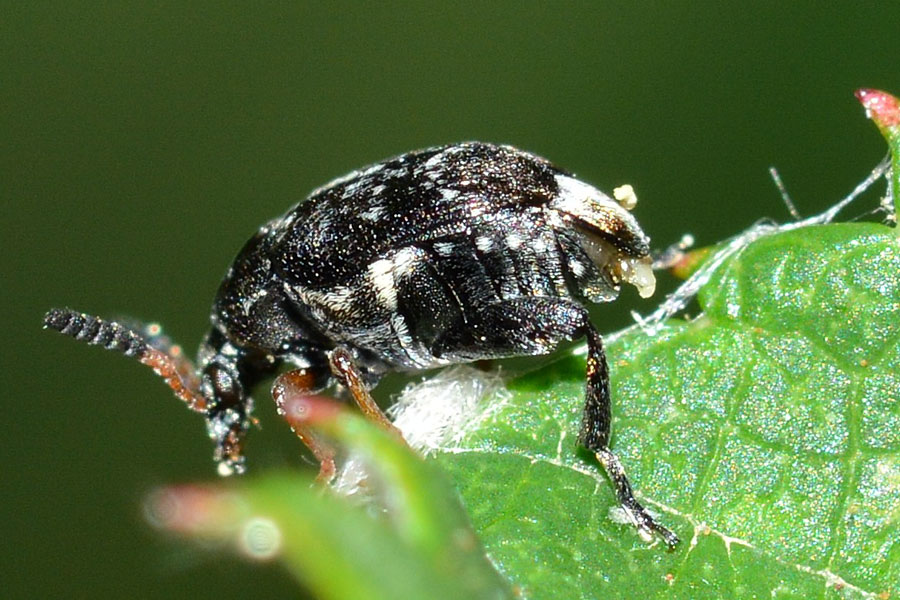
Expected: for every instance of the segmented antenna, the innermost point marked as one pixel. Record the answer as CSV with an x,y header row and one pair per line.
x,y
96,332
116,336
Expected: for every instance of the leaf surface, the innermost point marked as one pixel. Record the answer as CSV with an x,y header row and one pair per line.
x,y
766,433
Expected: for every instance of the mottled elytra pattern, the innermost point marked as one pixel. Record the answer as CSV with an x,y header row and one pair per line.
x,y
447,255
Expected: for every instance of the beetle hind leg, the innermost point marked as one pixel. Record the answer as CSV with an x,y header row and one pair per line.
x,y
537,326
594,436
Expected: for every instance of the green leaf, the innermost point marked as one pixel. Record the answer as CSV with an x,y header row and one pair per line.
x,y
421,546
766,433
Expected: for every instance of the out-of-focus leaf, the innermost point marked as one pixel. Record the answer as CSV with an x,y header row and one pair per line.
x,y
417,543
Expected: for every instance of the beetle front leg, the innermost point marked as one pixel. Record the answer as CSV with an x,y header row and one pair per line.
x,y
344,368
288,389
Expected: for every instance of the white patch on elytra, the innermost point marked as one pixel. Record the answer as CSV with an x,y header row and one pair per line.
x,y
484,243
373,213
381,276
337,300
403,261
435,161
444,248
353,189
384,273
396,173
514,241
477,209
449,194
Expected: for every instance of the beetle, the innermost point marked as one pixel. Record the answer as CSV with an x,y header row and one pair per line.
x,y
450,254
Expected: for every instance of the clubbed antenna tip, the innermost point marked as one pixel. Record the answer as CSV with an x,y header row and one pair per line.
x,y
173,368
96,332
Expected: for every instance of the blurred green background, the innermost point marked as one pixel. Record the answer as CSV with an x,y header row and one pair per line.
x,y
144,143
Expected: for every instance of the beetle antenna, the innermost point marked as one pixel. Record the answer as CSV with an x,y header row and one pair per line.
x,y
168,362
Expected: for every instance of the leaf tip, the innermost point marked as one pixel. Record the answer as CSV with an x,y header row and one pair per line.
x,y
212,513
881,107
689,262
188,509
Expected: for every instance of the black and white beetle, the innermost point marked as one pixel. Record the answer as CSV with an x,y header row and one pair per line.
x,y
453,254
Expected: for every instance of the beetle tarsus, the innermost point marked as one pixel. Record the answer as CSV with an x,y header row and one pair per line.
x,y
646,525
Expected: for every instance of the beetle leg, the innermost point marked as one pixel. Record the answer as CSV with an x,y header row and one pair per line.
x,y
537,326
344,368
289,388
594,435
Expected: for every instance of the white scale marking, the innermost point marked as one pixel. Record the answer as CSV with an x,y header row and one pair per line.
x,y
484,243
381,275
